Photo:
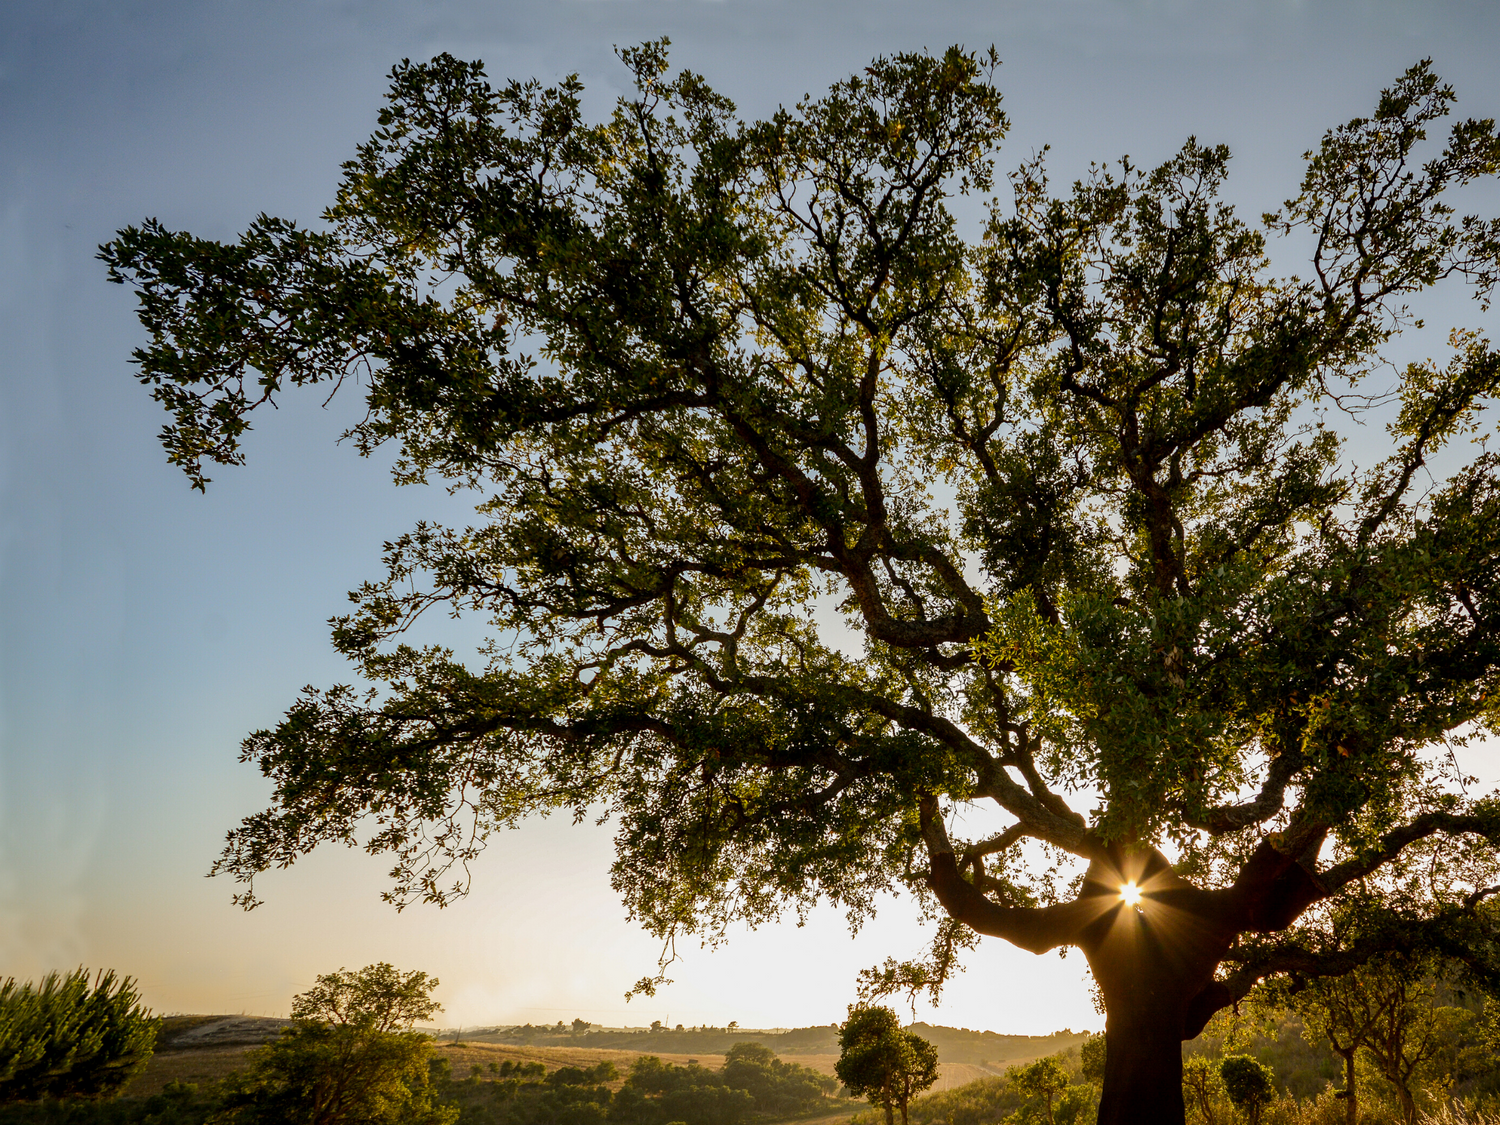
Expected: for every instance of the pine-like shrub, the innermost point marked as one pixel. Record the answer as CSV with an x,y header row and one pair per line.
x,y
68,1037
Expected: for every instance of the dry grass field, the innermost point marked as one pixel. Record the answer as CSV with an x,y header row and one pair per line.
x,y
478,1056
951,1075
198,1066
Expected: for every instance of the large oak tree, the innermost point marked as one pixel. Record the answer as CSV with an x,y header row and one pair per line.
x,y
1123,598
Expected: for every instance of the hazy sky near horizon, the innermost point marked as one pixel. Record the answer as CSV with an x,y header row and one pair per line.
x,y
144,628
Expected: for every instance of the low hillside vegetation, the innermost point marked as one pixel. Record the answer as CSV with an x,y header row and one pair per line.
x,y
753,1086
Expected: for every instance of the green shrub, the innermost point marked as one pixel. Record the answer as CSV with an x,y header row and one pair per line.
x,y
1248,1083
578,1076
880,1060
327,1074
178,1104
1044,1079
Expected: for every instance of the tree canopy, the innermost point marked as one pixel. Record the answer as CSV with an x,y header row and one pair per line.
x,y
379,997
1073,480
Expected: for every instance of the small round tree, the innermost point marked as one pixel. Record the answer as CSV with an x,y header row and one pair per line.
x,y
1044,1078
378,996
1248,1083
882,1061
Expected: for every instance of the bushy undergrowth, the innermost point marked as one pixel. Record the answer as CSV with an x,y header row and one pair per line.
x,y
1459,1078
1006,1100
1463,1088
754,1085
992,1100
179,1104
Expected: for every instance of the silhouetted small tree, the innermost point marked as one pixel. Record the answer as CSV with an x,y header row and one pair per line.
x,y
880,1060
378,996
1202,1086
1248,1083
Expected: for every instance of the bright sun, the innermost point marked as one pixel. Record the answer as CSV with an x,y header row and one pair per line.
x,y
1130,894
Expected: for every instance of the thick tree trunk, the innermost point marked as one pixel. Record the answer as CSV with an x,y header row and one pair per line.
x,y
1154,964
1154,961
1142,1068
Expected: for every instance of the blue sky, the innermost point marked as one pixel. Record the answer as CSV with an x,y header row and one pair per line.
x,y
144,629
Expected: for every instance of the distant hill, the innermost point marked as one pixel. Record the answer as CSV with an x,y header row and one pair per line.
x,y
960,1045
192,1033
954,1044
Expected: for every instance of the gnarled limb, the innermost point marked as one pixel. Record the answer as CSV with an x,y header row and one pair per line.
x,y
1277,883
1037,929
1458,932
995,844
